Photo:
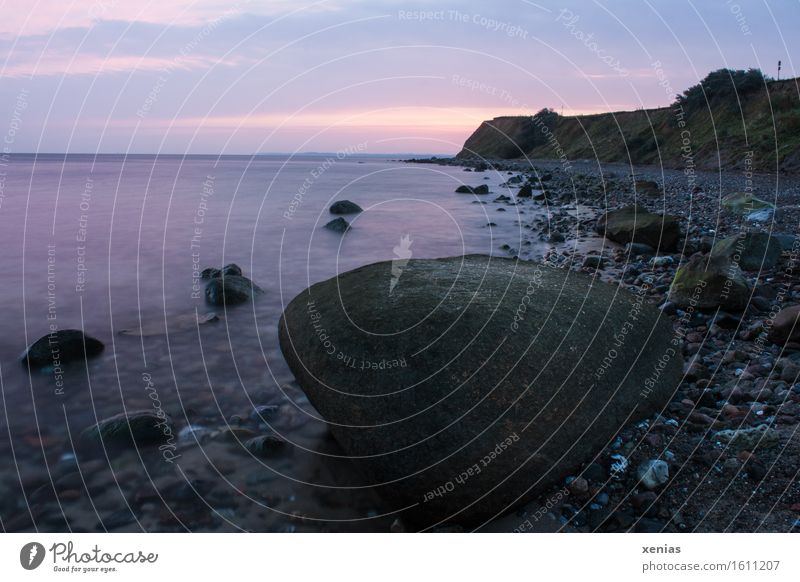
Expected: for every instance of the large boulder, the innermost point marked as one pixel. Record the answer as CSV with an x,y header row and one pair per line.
x,y
752,251
708,283
636,224
475,383
345,207
786,326
61,347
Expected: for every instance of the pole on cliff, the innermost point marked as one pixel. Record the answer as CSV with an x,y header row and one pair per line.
x,y
779,70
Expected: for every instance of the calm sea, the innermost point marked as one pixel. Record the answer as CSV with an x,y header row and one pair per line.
x,y
114,243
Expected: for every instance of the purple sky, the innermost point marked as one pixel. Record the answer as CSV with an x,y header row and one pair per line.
x,y
213,76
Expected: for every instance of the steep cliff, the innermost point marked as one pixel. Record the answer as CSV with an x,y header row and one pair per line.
x,y
720,132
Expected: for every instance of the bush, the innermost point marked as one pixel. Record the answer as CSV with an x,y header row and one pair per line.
x,y
722,84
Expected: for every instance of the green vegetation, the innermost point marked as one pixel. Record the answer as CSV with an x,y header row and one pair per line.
x,y
716,123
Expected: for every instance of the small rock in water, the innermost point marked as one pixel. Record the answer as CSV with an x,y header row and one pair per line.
x,y
140,427
61,347
230,290
266,445
345,207
653,473
338,225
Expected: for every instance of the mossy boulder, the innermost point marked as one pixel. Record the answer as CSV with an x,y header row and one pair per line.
x,y
477,382
752,251
708,283
745,203
635,224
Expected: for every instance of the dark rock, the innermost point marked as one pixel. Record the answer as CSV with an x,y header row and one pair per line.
x,y
786,326
594,262
482,189
635,224
752,251
525,192
210,273
416,419
61,347
647,188
230,290
140,427
231,269
636,249
265,445
745,203
338,225
708,283
345,207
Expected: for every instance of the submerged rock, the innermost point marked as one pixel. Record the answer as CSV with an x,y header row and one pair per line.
x,y
525,192
708,283
752,251
479,382
345,207
62,347
139,427
635,224
338,225
230,290
176,324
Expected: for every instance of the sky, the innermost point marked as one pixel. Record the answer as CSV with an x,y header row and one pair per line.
x,y
379,76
